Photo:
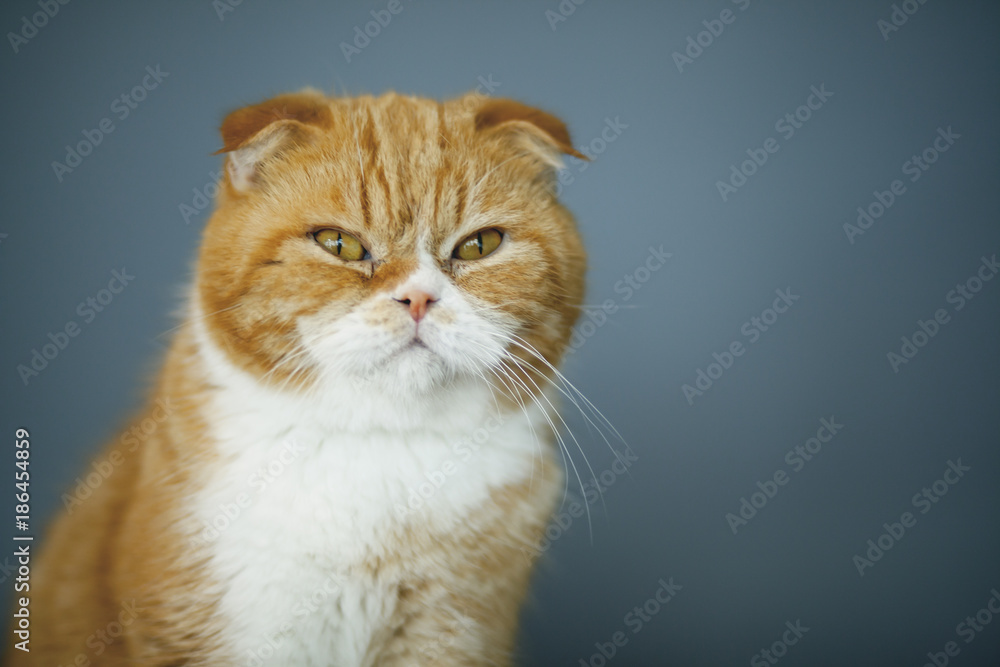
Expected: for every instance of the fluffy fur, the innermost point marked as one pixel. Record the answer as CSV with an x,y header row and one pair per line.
x,y
340,481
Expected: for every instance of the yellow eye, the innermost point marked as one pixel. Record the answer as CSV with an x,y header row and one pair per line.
x,y
341,244
480,244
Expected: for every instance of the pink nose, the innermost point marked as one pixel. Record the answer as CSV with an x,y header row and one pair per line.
x,y
417,301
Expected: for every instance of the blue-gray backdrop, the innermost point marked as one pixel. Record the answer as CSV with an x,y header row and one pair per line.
x,y
808,383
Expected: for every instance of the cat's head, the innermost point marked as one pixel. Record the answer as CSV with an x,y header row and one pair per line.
x,y
394,240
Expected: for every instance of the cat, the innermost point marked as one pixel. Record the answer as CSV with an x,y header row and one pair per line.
x,y
360,451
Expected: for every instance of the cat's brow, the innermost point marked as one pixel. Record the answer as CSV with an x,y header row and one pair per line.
x,y
444,161
369,145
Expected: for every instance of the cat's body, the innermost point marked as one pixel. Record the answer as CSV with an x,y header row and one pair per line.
x,y
358,459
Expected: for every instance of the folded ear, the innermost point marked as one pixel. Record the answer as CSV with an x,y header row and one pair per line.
x,y
540,131
254,134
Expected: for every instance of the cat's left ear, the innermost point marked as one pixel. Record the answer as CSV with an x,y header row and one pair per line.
x,y
537,129
254,134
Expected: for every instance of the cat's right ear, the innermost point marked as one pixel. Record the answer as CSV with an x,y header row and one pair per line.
x,y
255,134
539,131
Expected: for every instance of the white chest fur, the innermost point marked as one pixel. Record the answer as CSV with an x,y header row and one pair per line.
x,y
297,500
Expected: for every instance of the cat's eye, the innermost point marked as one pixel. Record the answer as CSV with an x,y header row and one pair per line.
x,y
478,245
341,244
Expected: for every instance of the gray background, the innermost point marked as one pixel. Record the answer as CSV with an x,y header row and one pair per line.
x,y
654,185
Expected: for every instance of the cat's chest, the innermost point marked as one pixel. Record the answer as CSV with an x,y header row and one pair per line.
x,y
292,515
344,499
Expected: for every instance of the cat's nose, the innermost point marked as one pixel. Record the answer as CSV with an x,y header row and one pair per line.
x,y
417,301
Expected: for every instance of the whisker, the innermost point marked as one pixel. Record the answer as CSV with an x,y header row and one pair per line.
x,y
572,435
568,463
191,320
562,378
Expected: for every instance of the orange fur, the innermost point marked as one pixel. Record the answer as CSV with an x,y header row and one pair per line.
x,y
389,170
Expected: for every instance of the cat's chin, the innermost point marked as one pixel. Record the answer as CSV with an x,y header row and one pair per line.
x,y
411,370
416,369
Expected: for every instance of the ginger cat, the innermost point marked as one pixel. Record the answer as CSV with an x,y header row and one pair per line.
x,y
360,448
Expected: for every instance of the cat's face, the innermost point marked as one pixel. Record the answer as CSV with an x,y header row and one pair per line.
x,y
393,240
